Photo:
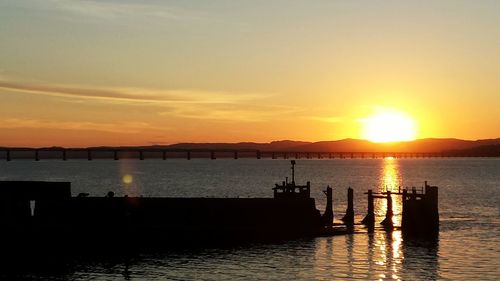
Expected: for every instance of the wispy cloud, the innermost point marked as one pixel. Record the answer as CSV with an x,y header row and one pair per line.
x,y
120,127
232,112
128,94
115,10
324,119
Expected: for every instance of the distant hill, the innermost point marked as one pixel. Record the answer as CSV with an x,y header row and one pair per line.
x,y
421,145
429,145
347,145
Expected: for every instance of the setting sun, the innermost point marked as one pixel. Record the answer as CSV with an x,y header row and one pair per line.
x,y
389,126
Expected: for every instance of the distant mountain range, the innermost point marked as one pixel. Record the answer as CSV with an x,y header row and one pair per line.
x,y
350,145
429,145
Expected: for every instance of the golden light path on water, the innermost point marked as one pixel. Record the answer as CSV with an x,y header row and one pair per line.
x,y
389,245
390,180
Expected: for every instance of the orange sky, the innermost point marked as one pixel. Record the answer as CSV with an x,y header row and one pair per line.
x,y
85,73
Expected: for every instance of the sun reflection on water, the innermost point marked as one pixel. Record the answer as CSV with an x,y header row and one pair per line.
x,y
390,180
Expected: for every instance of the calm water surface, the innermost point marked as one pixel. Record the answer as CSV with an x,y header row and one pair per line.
x,y
468,246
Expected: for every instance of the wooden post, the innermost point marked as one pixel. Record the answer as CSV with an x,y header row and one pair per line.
x,y
387,222
164,155
37,158
188,155
369,219
327,217
89,154
8,154
64,154
141,155
236,155
348,219
115,154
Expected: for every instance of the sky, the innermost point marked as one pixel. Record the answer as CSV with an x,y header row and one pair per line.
x,y
85,73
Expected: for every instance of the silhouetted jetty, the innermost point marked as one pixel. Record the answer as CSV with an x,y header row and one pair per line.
x,y
37,213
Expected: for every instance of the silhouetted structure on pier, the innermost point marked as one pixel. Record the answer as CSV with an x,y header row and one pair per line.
x,y
420,215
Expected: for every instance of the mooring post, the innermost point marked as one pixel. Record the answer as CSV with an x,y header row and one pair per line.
x,y
348,219
8,154
328,215
387,222
37,158
89,154
115,154
369,219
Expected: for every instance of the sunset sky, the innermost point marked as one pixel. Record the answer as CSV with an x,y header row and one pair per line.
x,y
85,73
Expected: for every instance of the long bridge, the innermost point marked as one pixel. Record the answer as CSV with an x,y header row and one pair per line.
x,y
38,154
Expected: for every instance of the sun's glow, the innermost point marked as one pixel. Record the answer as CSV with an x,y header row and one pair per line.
x,y
389,126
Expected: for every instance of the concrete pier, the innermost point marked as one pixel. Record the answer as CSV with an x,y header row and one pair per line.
x,y
420,212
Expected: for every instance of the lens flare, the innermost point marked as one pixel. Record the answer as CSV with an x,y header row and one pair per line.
x,y
127,179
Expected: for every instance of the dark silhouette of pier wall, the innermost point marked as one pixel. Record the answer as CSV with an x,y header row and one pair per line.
x,y
420,212
37,212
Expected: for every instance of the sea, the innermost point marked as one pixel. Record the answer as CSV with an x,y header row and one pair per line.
x,y
467,248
